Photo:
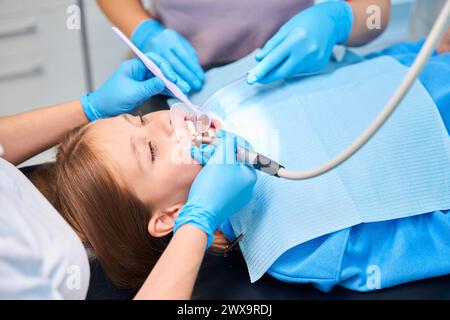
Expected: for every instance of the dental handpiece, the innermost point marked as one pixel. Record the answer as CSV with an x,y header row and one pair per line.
x,y
244,155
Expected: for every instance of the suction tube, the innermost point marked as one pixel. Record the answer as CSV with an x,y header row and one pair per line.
x,y
432,39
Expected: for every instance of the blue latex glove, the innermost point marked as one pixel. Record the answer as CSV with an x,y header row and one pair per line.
x,y
128,87
221,188
303,44
150,35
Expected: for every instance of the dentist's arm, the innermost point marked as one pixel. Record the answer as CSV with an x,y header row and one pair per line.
x,y
27,134
173,277
125,14
364,10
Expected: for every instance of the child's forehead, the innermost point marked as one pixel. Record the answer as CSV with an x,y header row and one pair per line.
x,y
102,132
108,124
158,114
122,124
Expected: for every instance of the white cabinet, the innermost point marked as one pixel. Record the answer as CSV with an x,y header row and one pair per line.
x,y
106,50
41,61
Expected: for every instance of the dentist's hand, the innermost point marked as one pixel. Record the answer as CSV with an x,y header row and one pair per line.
x,y
221,188
150,35
303,44
128,87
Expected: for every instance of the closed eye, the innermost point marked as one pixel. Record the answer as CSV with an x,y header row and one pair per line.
x,y
141,118
153,150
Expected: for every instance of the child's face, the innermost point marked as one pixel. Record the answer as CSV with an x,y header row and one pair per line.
x,y
153,164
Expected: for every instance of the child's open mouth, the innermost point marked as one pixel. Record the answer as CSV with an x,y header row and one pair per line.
x,y
194,135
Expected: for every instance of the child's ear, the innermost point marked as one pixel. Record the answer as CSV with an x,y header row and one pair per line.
x,y
162,221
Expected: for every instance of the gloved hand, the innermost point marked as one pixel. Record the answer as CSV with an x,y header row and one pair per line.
x,y
128,87
221,188
150,35
303,44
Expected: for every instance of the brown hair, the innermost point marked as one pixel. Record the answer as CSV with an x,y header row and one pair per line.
x,y
108,218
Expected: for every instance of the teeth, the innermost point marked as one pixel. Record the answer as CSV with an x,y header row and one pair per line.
x,y
195,137
191,129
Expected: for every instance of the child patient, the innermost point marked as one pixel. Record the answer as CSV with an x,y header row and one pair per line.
x,y
116,183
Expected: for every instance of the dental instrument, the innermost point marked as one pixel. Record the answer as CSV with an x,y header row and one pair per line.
x,y
201,120
244,155
271,167
233,244
243,79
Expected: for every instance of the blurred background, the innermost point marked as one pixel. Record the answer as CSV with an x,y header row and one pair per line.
x,y
45,62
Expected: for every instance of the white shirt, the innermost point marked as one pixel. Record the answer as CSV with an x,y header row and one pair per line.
x,y
41,257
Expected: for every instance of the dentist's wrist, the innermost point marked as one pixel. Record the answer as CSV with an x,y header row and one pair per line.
x,y
342,14
197,217
145,30
89,108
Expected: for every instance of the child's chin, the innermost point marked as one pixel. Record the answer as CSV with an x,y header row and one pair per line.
x,y
216,124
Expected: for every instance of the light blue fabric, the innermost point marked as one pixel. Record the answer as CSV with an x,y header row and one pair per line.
x,y
314,119
435,77
378,255
332,259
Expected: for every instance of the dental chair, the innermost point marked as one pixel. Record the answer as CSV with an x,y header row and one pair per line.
x,y
227,278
